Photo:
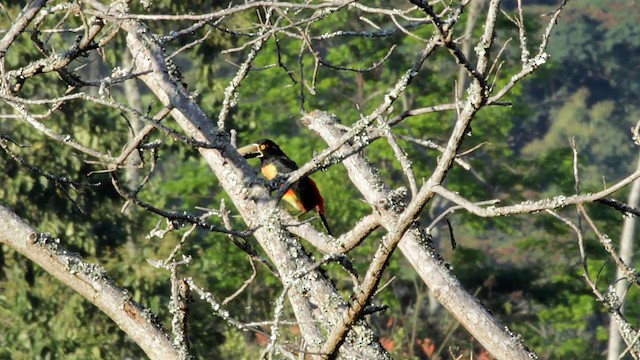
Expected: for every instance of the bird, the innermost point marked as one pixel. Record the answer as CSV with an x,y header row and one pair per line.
x,y
303,194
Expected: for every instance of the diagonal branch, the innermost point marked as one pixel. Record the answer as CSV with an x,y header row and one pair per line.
x,y
609,300
27,15
364,123
230,92
416,248
89,280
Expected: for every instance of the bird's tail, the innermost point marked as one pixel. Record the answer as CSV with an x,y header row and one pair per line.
x,y
324,222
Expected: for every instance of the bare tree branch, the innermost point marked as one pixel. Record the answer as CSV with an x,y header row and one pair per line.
x,y
533,206
610,300
27,15
89,280
416,248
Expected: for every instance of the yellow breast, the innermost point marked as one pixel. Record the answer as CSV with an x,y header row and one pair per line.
x,y
269,171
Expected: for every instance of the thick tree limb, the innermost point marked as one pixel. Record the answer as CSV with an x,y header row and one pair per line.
x,y
90,281
494,336
24,19
625,253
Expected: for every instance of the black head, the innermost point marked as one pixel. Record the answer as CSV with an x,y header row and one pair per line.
x,y
261,148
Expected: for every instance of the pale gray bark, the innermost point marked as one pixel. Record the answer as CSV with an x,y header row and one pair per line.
x,y
90,281
461,84
626,253
495,337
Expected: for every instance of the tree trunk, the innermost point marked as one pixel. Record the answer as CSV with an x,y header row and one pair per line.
x,y
626,252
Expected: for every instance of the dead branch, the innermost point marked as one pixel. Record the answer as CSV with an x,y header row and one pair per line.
x,y
416,247
610,299
89,280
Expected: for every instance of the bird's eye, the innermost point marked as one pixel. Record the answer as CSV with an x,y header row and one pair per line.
x,y
262,147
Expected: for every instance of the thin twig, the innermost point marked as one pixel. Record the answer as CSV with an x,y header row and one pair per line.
x,y
180,216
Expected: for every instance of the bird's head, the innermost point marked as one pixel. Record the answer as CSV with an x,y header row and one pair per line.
x,y
261,148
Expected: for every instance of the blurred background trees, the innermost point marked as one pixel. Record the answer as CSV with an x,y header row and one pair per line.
x,y
525,269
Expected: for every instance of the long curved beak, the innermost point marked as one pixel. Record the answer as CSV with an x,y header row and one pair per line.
x,y
250,151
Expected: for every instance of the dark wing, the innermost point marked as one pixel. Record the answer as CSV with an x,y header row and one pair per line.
x,y
307,191
283,164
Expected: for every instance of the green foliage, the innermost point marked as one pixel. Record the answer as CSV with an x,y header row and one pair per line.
x,y
590,125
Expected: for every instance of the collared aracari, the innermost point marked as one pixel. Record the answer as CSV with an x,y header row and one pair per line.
x,y
303,194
